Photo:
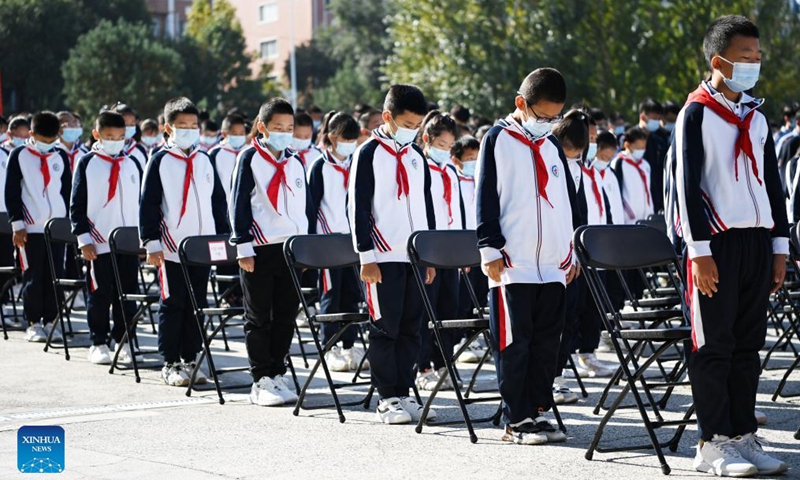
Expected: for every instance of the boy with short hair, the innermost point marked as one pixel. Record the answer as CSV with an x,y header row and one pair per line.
x,y
209,134
168,214
390,198
152,138
606,150
302,140
223,156
132,147
369,121
270,203
523,173
70,137
18,133
633,172
651,114
733,221
3,130
105,196
37,189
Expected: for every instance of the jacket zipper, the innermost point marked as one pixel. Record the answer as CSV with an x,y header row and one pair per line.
x,y
286,205
750,189
538,218
121,199
199,207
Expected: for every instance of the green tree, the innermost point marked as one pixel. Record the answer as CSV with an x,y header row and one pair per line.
x,y
120,61
314,67
35,39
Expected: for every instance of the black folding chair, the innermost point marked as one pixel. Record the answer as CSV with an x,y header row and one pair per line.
x,y
11,274
793,316
321,252
448,250
58,231
125,241
217,280
623,247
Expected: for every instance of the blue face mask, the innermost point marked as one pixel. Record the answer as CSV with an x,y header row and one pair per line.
x,y
744,75
44,147
592,151
236,141
669,126
439,156
468,168
129,132
185,138
17,141
638,154
71,135
279,141
653,125
619,130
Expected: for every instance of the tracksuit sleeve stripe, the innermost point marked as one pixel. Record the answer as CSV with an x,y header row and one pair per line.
x,y
77,206
150,204
243,185
361,192
487,200
13,190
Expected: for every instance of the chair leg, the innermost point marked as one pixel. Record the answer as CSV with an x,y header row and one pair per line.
x,y
578,379
300,343
782,384
209,358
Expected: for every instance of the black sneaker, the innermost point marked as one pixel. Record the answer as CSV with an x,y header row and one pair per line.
x,y
525,434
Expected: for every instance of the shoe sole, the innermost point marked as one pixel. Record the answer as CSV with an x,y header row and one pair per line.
x,y
388,421
275,404
557,437
567,402
519,441
706,468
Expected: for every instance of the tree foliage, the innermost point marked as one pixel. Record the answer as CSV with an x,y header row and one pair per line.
x,y
120,62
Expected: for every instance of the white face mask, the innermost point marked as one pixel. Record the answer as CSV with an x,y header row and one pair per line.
x,y
151,140
346,149
112,147
279,141
468,168
638,154
592,151
653,125
130,132
185,138
744,75
236,141
301,144
43,147
208,141
535,128
71,135
439,156
404,136
18,141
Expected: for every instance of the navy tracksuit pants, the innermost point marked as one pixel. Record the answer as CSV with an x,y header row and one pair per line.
x,y
526,324
396,310
103,293
728,330
179,335
340,292
38,297
443,294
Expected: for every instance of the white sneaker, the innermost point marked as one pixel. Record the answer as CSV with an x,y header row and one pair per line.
x,y
302,320
285,389
721,457
761,417
174,375
100,354
605,345
524,433
562,395
201,378
448,382
125,357
57,338
589,364
353,358
427,380
414,409
472,354
554,435
391,412
336,362
264,394
750,449
35,333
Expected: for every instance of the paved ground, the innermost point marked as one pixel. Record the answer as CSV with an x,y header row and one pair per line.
x,y
117,429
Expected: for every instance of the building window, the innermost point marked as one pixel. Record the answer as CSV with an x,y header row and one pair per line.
x,y
268,12
268,49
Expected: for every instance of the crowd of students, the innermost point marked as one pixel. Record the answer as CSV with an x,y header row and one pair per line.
x,y
524,183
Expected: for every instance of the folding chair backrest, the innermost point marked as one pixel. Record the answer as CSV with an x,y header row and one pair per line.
x,y
444,249
59,230
5,226
320,251
794,240
623,247
207,250
655,221
125,241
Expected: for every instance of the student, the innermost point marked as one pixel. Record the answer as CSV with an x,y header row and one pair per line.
x,y
105,196
439,134
302,139
460,114
271,202
369,121
328,178
527,278
69,138
389,198
733,221
37,189
633,173
671,110
133,148
209,134
181,197
787,123
3,130
18,133
223,156
606,150
651,115
788,145
152,138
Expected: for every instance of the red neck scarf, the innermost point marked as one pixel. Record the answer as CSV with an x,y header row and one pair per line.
x,y
743,142
72,154
637,164
542,176
187,179
595,190
113,178
344,171
131,148
43,166
448,188
280,174
401,175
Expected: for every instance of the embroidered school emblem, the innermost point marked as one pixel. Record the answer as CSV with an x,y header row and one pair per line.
x,y
56,167
208,178
133,179
555,171
414,163
299,183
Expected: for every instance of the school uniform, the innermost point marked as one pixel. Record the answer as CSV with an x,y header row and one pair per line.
x,y
74,153
136,151
787,147
223,157
6,247
730,206
634,179
526,209
270,204
480,283
611,190
654,153
71,265
181,197
105,196
309,156
389,198
37,189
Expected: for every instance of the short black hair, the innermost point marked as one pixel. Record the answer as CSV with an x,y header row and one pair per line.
x,y
365,117
178,106
46,124
651,106
203,116
606,140
303,120
544,84
722,30
467,142
64,115
481,131
124,109
477,121
787,112
274,106
361,108
342,125
314,109
405,98
634,134
149,125
573,130
231,120
109,119
435,124
460,113
597,114
17,122
671,107
209,125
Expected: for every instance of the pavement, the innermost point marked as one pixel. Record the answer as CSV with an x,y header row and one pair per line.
x,y
118,429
